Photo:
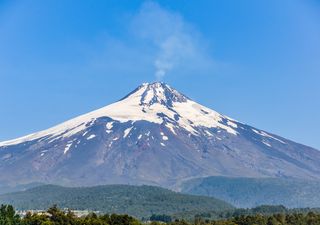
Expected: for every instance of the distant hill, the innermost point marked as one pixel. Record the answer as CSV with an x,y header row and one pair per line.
x,y
8,189
138,201
251,192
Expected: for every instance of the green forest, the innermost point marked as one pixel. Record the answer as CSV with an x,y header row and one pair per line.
x,y
56,216
250,192
137,201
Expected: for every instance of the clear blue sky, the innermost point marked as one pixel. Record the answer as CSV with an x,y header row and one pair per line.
x,y
255,61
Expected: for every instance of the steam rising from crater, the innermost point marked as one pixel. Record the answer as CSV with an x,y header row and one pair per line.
x,y
175,42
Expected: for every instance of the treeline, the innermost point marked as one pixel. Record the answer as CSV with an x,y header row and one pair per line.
x,y
265,210
310,218
55,216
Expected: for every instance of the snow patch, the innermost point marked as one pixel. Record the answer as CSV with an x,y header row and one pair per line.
x,y
232,124
91,136
266,143
67,148
148,97
43,152
165,138
6,156
109,125
162,144
208,133
126,132
171,127
264,134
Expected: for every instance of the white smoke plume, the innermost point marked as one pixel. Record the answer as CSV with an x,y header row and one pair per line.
x,y
174,40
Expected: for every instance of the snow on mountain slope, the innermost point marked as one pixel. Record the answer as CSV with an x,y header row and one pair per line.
x,y
154,135
147,102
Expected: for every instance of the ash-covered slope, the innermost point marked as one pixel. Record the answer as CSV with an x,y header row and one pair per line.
x,y
155,135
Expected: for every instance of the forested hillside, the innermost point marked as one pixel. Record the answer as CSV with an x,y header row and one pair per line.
x,y
138,201
251,192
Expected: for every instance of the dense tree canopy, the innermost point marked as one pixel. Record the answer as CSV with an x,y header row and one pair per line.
x,y
55,216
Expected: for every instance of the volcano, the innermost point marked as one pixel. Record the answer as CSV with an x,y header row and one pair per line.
x,y
155,135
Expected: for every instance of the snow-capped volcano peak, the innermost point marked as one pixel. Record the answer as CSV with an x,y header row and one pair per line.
x,y
161,93
155,102
159,103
